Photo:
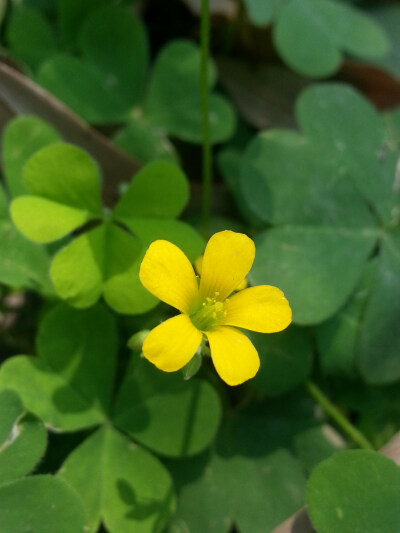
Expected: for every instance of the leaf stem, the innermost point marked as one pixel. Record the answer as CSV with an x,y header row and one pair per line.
x,y
347,427
204,95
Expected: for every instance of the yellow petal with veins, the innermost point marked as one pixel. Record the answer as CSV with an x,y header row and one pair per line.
x,y
167,273
198,264
227,260
172,344
263,309
234,357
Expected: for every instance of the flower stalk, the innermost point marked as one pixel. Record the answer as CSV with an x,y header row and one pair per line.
x,y
204,98
345,425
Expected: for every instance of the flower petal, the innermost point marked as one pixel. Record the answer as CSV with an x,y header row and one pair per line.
x,y
227,260
242,285
263,309
172,344
167,273
198,264
234,357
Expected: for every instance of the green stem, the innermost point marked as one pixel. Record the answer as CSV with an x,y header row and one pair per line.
x,y
204,93
348,428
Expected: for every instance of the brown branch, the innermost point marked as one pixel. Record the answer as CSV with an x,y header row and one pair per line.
x,y
21,96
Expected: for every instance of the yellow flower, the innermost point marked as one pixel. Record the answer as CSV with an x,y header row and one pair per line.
x,y
209,308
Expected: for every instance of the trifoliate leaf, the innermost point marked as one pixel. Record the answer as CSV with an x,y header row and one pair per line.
x,y
120,484
49,505
23,438
166,413
173,100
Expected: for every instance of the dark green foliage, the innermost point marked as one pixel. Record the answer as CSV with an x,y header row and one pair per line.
x,y
331,488
22,438
69,386
331,194
312,35
131,449
49,505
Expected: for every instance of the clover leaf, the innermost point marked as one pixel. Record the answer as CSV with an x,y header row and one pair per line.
x,y
361,338
24,264
49,505
23,438
325,191
163,413
30,37
253,454
16,150
144,141
312,36
120,483
285,360
69,385
66,386
378,343
337,337
108,79
64,186
262,13
173,99
332,28
354,489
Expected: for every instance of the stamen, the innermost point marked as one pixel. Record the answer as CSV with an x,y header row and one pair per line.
x,y
208,314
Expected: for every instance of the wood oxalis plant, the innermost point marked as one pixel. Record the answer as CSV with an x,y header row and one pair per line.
x,y
131,399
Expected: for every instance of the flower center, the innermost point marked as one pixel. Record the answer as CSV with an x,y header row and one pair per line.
x,y
208,314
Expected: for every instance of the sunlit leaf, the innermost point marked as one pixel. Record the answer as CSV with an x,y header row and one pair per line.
x,y
158,190
105,259
64,186
24,264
